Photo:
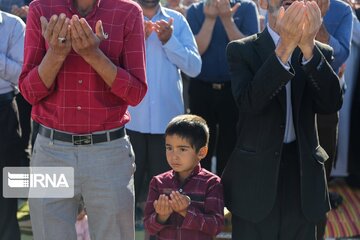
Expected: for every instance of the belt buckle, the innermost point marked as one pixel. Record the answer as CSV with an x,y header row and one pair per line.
x,y
217,86
85,139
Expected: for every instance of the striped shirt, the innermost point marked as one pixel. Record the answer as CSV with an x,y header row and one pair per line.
x,y
205,215
79,101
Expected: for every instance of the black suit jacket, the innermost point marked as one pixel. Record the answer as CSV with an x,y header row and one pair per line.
x,y
258,82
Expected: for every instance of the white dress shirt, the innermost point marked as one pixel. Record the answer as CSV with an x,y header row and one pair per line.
x,y
164,99
289,135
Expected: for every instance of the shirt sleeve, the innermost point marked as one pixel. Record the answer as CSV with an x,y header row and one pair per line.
x,y
193,19
340,40
11,61
181,49
150,222
31,86
356,31
130,81
211,219
246,18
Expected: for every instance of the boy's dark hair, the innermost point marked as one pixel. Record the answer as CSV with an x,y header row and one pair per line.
x,y
191,127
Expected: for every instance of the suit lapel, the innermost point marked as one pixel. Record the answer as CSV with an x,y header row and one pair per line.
x,y
265,46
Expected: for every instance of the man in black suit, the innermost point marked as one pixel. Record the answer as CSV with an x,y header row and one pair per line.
x,y
274,181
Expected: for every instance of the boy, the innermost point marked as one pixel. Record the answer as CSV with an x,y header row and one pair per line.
x,y
187,201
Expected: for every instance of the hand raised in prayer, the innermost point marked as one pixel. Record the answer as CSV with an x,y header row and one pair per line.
x,y
56,33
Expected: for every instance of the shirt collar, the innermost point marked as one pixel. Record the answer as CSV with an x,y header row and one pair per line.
x,y
162,11
1,17
275,37
194,172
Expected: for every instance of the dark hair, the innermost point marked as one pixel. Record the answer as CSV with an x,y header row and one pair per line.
x,y
191,127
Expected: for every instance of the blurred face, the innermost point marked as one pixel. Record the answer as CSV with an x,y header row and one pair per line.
x,y
149,4
84,4
274,5
181,156
173,3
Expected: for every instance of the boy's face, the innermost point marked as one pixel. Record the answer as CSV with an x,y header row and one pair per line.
x,y
181,156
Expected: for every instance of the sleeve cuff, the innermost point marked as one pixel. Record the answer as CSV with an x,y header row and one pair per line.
x,y
37,86
172,43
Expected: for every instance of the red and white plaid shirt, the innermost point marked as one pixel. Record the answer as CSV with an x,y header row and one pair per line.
x,y
79,101
205,215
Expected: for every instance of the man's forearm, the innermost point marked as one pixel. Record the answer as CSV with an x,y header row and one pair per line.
x,y
203,38
231,29
103,66
12,69
49,67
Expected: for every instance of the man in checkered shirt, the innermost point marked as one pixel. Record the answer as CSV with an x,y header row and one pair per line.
x,y
84,63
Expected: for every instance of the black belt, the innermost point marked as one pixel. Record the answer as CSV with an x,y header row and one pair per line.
x,y
82,139
6,97
215,86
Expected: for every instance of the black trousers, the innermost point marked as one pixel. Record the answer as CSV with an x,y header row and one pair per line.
x,y
286,220
328,135
9,156
150,160
218,108
24,110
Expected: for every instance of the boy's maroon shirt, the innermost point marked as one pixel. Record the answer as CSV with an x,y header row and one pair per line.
x,y
205,215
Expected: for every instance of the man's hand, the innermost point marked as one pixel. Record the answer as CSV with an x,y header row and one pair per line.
x,y
84,41
21,12
211,10
164,30
289,25
148,28
179,202
54,31
225,10
162,208
312,23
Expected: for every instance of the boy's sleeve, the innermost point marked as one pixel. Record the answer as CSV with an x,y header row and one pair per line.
x,y
150,223
211,220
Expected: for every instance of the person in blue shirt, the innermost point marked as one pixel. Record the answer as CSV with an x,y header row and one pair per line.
x,y
170,48
215,23
12,29
335,31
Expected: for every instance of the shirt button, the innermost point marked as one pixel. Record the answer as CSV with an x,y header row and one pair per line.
x,y
80,81
78,108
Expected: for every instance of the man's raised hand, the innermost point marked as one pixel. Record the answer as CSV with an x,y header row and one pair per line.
x,y
289,25
56,33
311,26
84,41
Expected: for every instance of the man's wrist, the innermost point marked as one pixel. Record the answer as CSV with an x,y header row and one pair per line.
x,y
283,51
225,19
93,56
307,50
55,57
210,18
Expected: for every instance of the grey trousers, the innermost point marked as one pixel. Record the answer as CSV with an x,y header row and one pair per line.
x,y
103,176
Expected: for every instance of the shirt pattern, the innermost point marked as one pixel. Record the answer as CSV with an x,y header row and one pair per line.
x,y
79,101
205,215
